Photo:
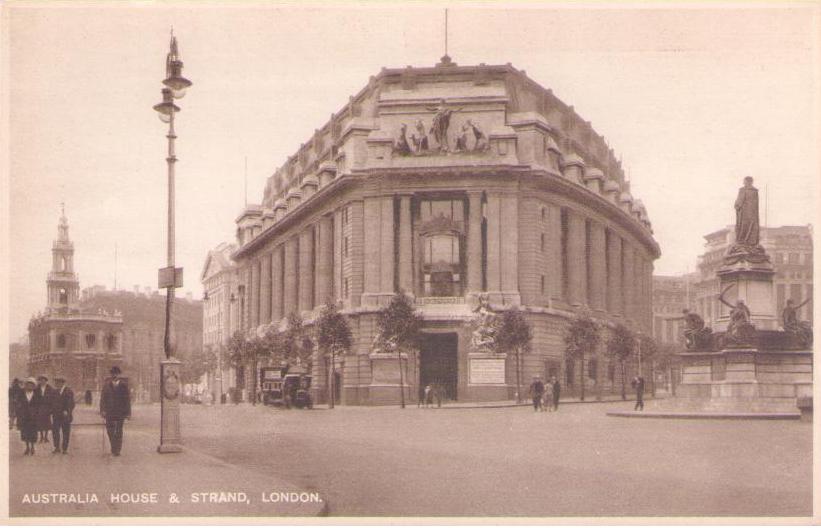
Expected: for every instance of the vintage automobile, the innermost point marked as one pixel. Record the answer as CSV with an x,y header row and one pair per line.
x,y
287,387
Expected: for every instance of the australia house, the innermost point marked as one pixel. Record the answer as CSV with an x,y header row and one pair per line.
x,y
453,184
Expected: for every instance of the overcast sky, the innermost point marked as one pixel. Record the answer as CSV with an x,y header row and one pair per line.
x,y
691,100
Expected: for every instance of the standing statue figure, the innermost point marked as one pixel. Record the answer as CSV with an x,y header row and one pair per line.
x,y
484,334
746,215
420,142
402,146
440,126
739,330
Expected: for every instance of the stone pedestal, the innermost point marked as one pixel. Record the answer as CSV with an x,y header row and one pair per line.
x,y
385,380
753,284
171,388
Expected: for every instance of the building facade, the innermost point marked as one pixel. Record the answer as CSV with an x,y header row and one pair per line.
x,y
671,295
219,282
76,342
143,329
450,183
789,247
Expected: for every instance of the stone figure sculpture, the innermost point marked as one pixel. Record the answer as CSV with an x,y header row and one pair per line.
x,y
747,230
484,335
420,142
696,335
739,330
402,146
801,330
440,126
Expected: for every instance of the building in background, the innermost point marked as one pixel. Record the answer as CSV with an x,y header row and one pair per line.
x,y
789,247
143,330
19,359
453,184
671,295
219,282
70,339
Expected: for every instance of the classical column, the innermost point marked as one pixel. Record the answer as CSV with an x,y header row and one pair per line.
x,y
324,261
254,294
554,258
510,243
265,286
291,303
337,258
576,258
494,276
474,242
405,245
372,244
598,266
387,255
276,290
628,281
306,269
615,304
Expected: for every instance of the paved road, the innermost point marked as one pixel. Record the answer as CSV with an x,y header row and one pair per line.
x,y
383,461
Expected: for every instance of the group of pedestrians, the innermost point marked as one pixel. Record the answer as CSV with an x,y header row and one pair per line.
x,y
545,395
430,393
37,408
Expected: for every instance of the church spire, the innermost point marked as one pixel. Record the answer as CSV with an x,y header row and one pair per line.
x,y
63,284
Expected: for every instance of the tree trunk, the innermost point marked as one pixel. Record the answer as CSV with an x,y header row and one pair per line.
x,y
332,380
623,380
254,383
581,376
652,378
518,378
401,380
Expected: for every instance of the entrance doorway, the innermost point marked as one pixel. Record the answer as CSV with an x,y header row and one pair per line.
x,y
438,363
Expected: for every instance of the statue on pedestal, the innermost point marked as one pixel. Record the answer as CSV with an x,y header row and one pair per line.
x,y
747,246
485,324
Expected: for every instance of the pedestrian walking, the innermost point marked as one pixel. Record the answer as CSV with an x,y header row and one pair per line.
x,y
536,392
428,395
62,414
44,408
15,392
28,405
115,407
547,399
557,391
638,384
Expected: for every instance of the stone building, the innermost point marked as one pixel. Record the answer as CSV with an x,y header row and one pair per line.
x,y
219,282
450,182
671,295
78,342
789,247
143,329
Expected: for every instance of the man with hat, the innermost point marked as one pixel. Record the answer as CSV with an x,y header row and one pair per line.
x,y
115,407
62,410
44,391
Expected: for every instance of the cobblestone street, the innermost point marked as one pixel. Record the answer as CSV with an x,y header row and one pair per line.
x,y
509,461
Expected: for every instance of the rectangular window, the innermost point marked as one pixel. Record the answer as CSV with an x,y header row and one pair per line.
x,y
793,258
542,242
91,341
542,287
346,289
345,247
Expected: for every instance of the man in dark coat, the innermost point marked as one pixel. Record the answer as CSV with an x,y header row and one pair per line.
x,y
115,407
638,384
557,390
536,392
15,391
62,410
28,405
44,391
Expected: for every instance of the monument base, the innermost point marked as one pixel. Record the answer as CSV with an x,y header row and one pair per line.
x,y
742,380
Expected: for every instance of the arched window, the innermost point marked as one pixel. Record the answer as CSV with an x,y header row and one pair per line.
x,y
91,341
61,341
63,264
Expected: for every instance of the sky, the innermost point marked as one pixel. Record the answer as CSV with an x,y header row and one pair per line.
x,y
692,100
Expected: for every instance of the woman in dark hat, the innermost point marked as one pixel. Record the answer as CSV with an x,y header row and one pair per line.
x,y
28,405
43,390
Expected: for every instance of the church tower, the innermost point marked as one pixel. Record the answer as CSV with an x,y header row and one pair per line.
x,y
63,284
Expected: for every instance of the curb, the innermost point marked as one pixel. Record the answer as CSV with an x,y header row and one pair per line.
x,y
704,415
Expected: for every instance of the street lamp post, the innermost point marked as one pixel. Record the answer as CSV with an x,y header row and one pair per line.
x,y
170,277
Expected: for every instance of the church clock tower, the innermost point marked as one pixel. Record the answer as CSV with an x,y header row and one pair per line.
x,y
63,284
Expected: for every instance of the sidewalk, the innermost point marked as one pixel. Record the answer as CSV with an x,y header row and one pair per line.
x,y
526,402
143,482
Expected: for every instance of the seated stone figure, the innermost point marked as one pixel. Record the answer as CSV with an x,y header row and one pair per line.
x,y
696,335
740,331
801,330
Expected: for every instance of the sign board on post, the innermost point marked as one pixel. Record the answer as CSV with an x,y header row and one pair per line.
x,y
170,278
487,371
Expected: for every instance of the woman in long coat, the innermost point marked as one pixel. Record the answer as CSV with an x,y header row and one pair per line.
x,y
28,405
